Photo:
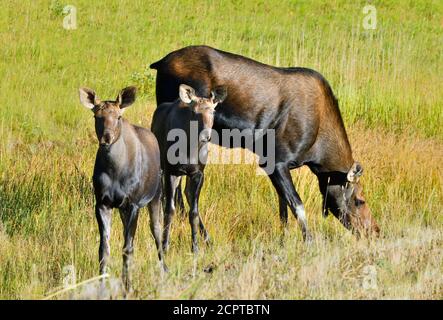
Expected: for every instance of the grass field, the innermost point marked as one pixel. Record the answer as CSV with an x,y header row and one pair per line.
x,y
390,88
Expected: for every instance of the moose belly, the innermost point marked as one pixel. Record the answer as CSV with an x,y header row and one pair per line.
x,y
184,169
112,193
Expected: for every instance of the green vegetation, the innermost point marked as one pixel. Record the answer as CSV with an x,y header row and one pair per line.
x,y
389,85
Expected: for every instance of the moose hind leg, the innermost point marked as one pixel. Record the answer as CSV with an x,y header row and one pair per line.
x,y
171,183
154,208
282,181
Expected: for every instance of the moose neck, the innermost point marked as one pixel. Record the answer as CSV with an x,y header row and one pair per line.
x,y
208,119
116,155
331,185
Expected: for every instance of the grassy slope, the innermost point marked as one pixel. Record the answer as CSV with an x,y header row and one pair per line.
x,y
389,85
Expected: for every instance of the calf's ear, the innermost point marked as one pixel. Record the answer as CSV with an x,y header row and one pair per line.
x,y
186,93
88,98
219,94
126,97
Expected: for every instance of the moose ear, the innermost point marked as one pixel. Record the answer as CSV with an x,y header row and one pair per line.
x,y
88,98
355,172
126,97
219,94
186,93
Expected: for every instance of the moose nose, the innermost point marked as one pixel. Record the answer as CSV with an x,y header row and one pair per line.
x,y
375,228
205,135
106,139
368,227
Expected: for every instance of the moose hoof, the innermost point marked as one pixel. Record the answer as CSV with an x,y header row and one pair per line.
x,y
195,249
164,268
308,239
208,241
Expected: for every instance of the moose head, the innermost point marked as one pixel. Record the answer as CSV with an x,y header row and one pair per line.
x,y
347,202
107,114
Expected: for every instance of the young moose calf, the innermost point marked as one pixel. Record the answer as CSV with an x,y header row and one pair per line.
x,y
180,115
126,176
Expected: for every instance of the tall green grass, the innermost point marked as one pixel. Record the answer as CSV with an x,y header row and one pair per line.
x,y
390,76
389,85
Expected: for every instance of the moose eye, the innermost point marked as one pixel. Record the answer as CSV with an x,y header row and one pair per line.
x,y
119,117
359,202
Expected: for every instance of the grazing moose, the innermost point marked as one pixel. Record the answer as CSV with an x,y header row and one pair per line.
x,y
179,115
298,104
126,176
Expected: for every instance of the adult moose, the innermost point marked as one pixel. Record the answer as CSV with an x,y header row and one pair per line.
x,y
298,104
180,115
126,175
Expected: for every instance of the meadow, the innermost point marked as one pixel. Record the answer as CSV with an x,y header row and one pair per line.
x,y
389,84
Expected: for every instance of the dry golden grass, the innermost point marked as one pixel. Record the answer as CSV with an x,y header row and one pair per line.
x,y
388,82
402,182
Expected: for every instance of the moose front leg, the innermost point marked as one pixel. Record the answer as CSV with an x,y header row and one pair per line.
x,y
193,187
282,181
179,203
283,210
103,214
129,218
189,197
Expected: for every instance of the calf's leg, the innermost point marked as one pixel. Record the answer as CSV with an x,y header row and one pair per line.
x,y
129,218
193,187
283,209
179,203
203,232
103,215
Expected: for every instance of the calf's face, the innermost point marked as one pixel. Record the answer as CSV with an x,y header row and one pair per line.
x,y
107,114
203,106
348,204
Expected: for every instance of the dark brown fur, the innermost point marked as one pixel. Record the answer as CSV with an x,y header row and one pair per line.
x,y
297,103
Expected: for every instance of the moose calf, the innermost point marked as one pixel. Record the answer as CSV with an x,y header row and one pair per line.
x,y
126,175
179,115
